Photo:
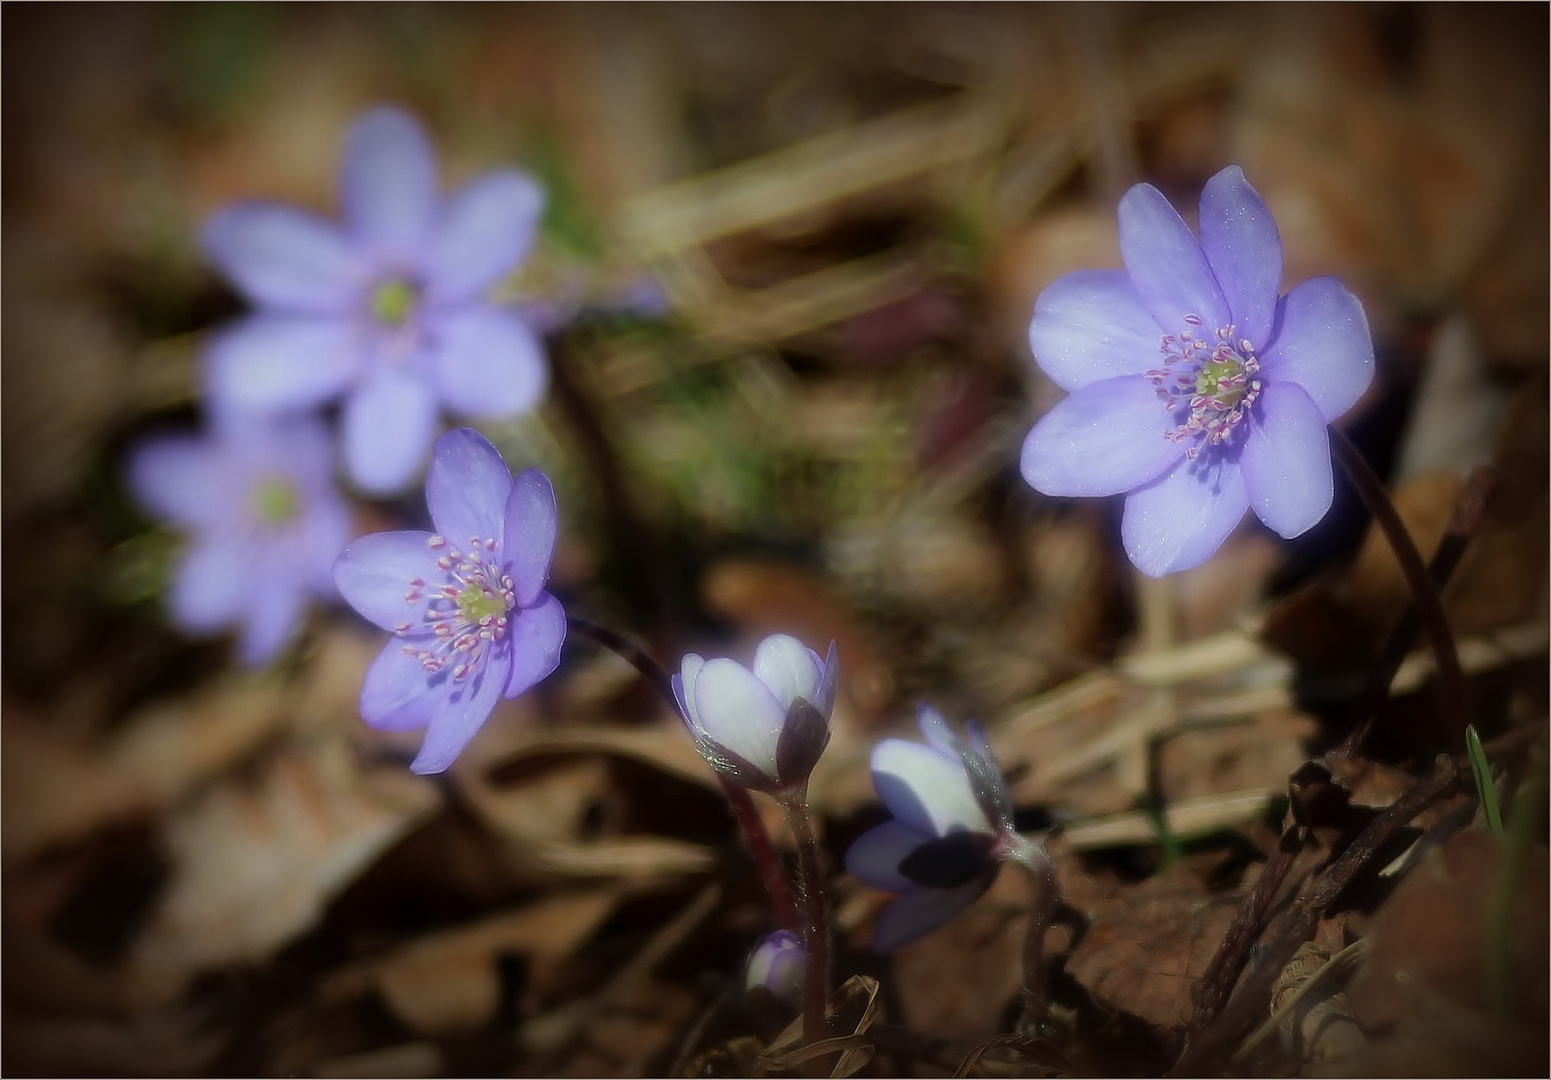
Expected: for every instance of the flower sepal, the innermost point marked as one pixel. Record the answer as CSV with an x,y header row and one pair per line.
x,y
946,862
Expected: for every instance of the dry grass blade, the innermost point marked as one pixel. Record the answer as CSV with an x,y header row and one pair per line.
x,y
1331,969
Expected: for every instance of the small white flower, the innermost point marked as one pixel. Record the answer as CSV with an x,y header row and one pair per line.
x,y
764,728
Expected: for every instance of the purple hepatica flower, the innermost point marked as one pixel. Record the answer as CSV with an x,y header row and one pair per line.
x,y
467,607
952,829
384,310
763,729
778,966
1193,386
258,499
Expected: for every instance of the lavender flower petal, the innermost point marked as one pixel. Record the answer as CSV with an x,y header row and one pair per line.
x,y
874,857
388,183
778,966
921,911
788,668
462,713
737,711
684,688
285,258
484,231
374,572
388,423
1166,265
926,790
1322,344
467,487
829,682
536,634
1103,439
531,525
275,362
396,694
274,614
1244,248
938,734
179,479
1091,325
1286,461
1179,520
488,363
210,588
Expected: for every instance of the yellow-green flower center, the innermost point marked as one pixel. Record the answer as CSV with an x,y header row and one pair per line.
x,y
476,602
275,501
1212,376
393,301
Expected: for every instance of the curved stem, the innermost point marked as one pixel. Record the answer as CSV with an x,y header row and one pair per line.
x,y
1035,860
1451,679
750,824
815,927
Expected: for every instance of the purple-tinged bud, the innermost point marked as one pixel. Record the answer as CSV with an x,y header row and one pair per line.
x,y
777,965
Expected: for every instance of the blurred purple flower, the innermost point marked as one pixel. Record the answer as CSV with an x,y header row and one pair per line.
x,y
384,310
777,965
952,829
1193,386
763,729
265,523
467,605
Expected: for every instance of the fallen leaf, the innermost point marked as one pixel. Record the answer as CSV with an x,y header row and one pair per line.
x,y
255,859
447,983
1146,948
1429,937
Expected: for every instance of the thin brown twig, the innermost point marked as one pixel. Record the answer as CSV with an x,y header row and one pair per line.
x,y
1232,954
1214,1040
1201,1050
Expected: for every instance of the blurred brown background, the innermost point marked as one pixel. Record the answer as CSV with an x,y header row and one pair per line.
x,y
787,267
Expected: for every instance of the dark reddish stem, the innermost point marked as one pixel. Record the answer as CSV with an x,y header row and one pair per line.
x,y
815,924
1469,509
1429,607
750,824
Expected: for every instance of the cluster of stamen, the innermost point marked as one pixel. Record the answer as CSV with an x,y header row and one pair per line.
x,y
466,614
1210,384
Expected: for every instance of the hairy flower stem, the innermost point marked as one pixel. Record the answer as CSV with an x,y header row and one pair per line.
x,y
1451,679
1035,860
750,824
815,924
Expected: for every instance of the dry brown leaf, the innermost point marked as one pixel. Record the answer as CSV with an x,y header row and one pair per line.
x,y
58,790
407,1060
447,983
1148,946
255,860
1213,760
1428,938
54,789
